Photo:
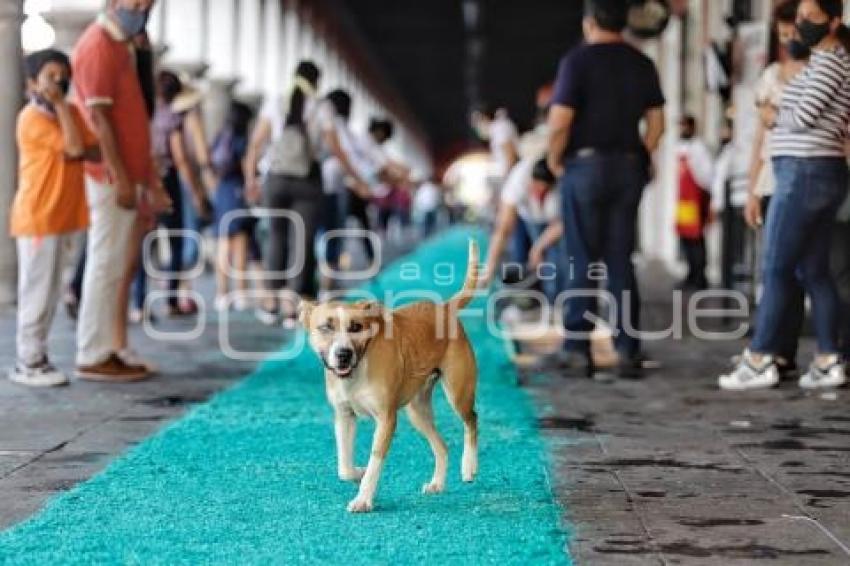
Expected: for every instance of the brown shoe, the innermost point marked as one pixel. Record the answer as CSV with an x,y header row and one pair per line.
x,y
112,370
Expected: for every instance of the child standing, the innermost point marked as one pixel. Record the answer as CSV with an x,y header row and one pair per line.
x,y
49,206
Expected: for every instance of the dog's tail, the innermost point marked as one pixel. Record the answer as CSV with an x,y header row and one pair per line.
x,y
467,292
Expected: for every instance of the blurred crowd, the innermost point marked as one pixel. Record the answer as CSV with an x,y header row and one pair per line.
x,y
568,209
125,160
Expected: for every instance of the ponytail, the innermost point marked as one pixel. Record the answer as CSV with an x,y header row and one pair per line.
x,y
306,79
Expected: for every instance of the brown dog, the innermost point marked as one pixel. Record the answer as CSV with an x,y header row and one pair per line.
x,y
377,361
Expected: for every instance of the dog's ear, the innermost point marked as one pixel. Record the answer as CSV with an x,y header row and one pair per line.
x,y
371,308
305,309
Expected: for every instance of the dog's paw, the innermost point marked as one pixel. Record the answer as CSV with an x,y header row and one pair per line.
x,y
468,469
433,487
358,505
354,474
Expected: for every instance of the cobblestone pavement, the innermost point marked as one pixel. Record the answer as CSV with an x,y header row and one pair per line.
x,y
670,470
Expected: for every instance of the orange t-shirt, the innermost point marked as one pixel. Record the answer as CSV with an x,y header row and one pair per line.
x,y
51,196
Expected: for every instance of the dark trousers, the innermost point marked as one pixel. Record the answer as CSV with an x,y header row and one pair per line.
x,y
333,218
172,220
797,240
520,243
696,257
302,197
358,208
76,286
599,199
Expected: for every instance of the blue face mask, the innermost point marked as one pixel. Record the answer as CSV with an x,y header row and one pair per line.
x,y
132,22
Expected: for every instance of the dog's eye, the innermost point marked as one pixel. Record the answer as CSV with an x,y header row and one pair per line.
x,y
325,328
355,327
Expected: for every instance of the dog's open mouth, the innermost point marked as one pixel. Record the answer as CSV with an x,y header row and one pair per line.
x,y
344,372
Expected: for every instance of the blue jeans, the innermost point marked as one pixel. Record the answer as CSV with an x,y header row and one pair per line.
x,y
798,236
192,220
173,221
599,199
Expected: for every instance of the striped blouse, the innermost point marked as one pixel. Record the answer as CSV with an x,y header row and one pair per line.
x,y
815,109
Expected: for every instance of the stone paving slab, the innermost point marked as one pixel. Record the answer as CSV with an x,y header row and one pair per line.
x,y
669,470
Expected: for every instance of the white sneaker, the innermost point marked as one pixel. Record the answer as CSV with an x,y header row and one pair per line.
x,y
832,375
241,303
269,318
221,303
42,375
746,376
132,358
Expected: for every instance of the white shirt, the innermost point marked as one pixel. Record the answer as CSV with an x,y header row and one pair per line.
x,y
517,192
502,132
333,174
377,154
699,161
427,197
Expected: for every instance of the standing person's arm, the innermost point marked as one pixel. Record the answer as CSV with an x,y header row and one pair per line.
x,y
752,209
260,137
179,153
331,139
124,187
197,132
566,96
560,123
655,126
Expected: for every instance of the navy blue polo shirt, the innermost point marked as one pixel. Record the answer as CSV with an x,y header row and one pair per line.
x,y
610,86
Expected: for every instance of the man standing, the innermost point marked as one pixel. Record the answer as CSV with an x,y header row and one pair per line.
x,y
109,92
603,90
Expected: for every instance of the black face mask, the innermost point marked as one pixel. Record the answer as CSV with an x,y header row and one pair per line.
x,y
42,103
811,33
797,51
64,85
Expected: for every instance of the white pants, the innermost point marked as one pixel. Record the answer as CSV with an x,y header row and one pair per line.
x,y
106,260
39,288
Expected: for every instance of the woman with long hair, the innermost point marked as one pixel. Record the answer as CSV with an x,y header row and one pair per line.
x,y
788,58
809,131
233,225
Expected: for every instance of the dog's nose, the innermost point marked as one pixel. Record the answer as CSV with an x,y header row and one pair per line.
x,y
344,355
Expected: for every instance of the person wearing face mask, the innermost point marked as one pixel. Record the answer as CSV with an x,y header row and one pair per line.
x,y
809,131
789,57
49,207
604,90
109,93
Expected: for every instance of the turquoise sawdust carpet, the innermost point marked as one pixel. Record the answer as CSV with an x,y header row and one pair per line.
x,y
250,478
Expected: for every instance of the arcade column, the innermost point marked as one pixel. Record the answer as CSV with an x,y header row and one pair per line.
x,y
11,17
